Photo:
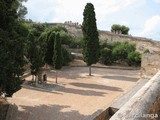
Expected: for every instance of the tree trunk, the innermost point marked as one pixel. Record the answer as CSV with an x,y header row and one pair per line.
x,y
46,67
36,80
32,77
56,75
90,70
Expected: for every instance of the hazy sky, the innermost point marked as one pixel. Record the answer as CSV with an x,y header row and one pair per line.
x,y
141,16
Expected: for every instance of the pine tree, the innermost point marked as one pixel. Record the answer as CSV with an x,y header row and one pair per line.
x,y
90,37
57,57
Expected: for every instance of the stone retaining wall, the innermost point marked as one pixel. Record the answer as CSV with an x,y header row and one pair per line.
x,y
156,107
143,103
3,108
105,115
11,113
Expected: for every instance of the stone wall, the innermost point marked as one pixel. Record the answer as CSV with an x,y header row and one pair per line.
x,y
3,108
12,112
143,104
141,43
105,115
156,107
150,64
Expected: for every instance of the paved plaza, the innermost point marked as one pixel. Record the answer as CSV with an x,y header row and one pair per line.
x,y
77,96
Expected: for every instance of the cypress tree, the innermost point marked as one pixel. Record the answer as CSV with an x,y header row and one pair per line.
x,y
42,41
36,52
57,57
12,44
50,47
31,52
90,37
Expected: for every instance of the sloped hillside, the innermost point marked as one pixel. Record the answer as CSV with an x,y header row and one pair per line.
x,y
142,43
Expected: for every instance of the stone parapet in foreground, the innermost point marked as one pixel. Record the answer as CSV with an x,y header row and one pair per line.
x,y
144,104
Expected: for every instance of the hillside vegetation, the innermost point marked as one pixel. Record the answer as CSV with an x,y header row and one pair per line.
x,y
75,30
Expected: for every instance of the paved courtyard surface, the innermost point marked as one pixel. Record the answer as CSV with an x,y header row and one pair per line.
x,y
77,96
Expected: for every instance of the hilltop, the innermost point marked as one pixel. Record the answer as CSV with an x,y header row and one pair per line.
x,y
142,43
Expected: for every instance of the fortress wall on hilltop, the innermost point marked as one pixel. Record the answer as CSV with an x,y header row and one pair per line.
x,y
141,43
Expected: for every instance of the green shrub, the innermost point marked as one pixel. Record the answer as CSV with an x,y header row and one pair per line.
x,y
106,56
110,45
59,29
134,58
103,44
75,43
121,50
79,41
65,38
67,57
37,28
72,42
146,51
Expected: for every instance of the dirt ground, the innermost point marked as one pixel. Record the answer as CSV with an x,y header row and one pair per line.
x,y
77,96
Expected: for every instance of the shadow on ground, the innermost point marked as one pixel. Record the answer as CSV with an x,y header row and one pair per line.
x,y
122,78
95,86
76,73
51,112
60,89
80,91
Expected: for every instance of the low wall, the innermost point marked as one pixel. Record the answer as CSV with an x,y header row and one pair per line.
x,y
144,105
3,108
12,111
105,115
156,107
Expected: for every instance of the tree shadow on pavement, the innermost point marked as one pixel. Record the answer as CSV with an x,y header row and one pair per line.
x,y
122,78
76,73
80,91
51,112
39,89
95,86
65,74
58,89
